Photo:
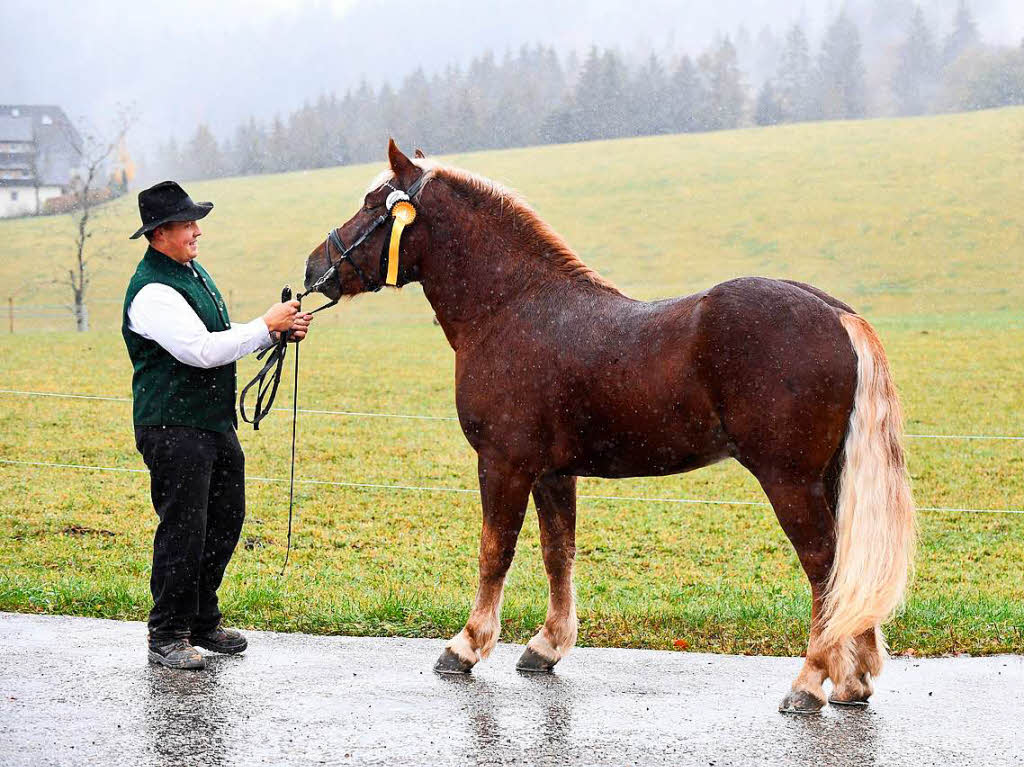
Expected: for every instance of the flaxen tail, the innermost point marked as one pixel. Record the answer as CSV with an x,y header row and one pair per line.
x,y
875,527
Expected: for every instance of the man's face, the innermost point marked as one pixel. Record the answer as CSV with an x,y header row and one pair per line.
x,y
178,240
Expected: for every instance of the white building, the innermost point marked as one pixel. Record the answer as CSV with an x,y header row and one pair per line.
x,y
40,151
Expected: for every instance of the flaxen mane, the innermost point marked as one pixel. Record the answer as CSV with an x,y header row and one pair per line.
x,y
498,200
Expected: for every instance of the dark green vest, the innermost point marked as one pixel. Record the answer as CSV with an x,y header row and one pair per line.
x,y
167,392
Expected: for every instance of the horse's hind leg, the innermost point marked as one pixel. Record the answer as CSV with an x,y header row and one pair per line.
x,y
504,492
803,512
555,498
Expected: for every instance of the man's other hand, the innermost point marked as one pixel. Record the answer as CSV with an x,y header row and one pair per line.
x,y
286,316
300,327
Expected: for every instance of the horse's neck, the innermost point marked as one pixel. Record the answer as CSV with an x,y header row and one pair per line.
x,y
478,279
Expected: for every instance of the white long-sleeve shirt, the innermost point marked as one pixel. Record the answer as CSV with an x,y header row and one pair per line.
x,y
160,313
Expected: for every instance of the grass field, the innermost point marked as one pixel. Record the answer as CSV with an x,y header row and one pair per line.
x,y
917,223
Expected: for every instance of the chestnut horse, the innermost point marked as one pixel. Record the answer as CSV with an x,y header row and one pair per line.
x,y
559,375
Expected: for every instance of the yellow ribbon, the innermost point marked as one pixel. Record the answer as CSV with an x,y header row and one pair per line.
x,y
404,214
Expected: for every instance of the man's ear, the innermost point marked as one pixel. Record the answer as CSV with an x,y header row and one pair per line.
x,y
400,164
418,154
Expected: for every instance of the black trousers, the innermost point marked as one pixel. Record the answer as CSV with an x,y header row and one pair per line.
x,y
197,482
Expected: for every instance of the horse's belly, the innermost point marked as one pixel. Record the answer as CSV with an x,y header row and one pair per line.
x,y
621,466
671,447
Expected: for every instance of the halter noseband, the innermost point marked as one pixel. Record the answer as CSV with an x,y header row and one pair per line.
x,y
402,212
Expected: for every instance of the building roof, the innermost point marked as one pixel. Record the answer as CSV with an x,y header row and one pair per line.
x,y
58,144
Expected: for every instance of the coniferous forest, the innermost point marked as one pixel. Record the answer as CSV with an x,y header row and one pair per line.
x,y
536,96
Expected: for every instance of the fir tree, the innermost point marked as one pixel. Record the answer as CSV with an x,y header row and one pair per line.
x,y
841,71
768,110
687,97
249,155
916,77
651,104
203,157
720,72
796,89
963,36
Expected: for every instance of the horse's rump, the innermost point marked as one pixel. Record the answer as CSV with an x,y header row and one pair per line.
x,y
781,370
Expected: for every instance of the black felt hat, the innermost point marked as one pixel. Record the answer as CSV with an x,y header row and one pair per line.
x,y
166,202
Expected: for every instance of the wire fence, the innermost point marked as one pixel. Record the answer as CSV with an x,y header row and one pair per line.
x,y
422,417
23,318
441,489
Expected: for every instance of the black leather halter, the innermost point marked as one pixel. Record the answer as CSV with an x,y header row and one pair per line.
x,y
333,239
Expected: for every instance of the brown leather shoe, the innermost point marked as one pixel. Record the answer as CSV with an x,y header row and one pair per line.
x,y
177,653
221,640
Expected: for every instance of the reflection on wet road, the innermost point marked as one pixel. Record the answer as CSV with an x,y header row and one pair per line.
x,y
79,691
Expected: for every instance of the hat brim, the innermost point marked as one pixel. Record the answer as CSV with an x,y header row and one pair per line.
x,y
194,213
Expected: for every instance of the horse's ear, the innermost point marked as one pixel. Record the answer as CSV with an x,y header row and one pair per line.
x,y
400,164
419,154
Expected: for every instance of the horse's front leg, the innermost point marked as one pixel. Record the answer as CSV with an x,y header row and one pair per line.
x,y
555,498
504,492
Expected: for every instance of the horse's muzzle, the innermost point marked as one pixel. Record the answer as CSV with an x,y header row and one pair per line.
x,y
309,278
316,265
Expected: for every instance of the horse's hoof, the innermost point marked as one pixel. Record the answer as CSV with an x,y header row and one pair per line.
x,y
533,661
854,703
801,702
450,663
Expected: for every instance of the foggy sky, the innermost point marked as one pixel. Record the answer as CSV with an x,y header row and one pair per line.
x,y
221,61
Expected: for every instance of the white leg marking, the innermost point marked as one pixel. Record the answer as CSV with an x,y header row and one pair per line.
x,y
554,643
540,645
460,645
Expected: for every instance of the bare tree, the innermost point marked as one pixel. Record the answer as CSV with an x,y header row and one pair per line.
x,y
94,154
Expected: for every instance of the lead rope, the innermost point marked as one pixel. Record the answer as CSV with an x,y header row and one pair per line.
x,y
291,482
275,363
272,368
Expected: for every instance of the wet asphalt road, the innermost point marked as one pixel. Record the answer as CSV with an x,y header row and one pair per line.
x,y
80,691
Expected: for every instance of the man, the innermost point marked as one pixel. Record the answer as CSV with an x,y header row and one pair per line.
x,y
183,349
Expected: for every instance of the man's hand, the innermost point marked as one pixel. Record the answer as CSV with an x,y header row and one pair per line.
x,y
300,327
286,316
281,316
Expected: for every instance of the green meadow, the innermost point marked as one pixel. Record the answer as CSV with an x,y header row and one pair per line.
x,y
917,223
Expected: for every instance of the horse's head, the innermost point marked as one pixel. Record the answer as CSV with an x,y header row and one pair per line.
x,y
356,256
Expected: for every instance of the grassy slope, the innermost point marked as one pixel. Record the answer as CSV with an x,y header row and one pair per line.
x,y
918,223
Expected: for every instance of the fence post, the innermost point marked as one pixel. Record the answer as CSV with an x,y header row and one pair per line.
x,y
10,313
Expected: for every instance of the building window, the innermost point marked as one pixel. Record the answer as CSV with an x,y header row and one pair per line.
x,y
14,196
15,113
47,120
